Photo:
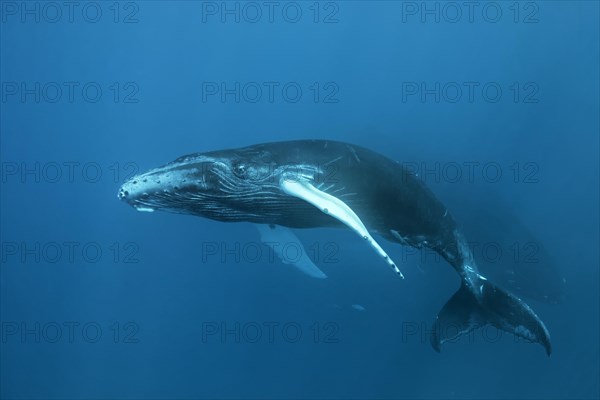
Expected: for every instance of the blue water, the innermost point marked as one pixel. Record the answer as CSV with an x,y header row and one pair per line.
x,y
101,301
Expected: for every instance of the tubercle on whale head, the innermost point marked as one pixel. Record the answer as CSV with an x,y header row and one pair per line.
x,y
160,187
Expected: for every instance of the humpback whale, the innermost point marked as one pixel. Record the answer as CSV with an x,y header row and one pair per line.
x,y
319,183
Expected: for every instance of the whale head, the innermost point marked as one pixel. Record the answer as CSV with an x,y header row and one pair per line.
x,y
228,185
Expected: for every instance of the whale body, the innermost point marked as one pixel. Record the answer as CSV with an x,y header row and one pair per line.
x,y
319,183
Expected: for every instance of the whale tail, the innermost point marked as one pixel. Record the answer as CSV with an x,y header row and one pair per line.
x,y
479,303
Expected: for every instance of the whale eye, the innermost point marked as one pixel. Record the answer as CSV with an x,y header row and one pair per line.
x,y
247,171
239,170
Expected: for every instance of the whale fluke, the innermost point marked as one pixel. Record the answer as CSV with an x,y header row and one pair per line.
x,y
478,303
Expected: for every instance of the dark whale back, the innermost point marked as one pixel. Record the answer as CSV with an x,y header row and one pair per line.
x,y
383,193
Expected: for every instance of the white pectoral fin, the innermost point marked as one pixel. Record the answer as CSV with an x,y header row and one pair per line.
x,y
289,249
335,207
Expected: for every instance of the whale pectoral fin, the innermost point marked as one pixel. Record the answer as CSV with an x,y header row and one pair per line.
x,y
337,209
279,238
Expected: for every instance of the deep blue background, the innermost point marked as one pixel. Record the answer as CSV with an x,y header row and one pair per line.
x,y
171,292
